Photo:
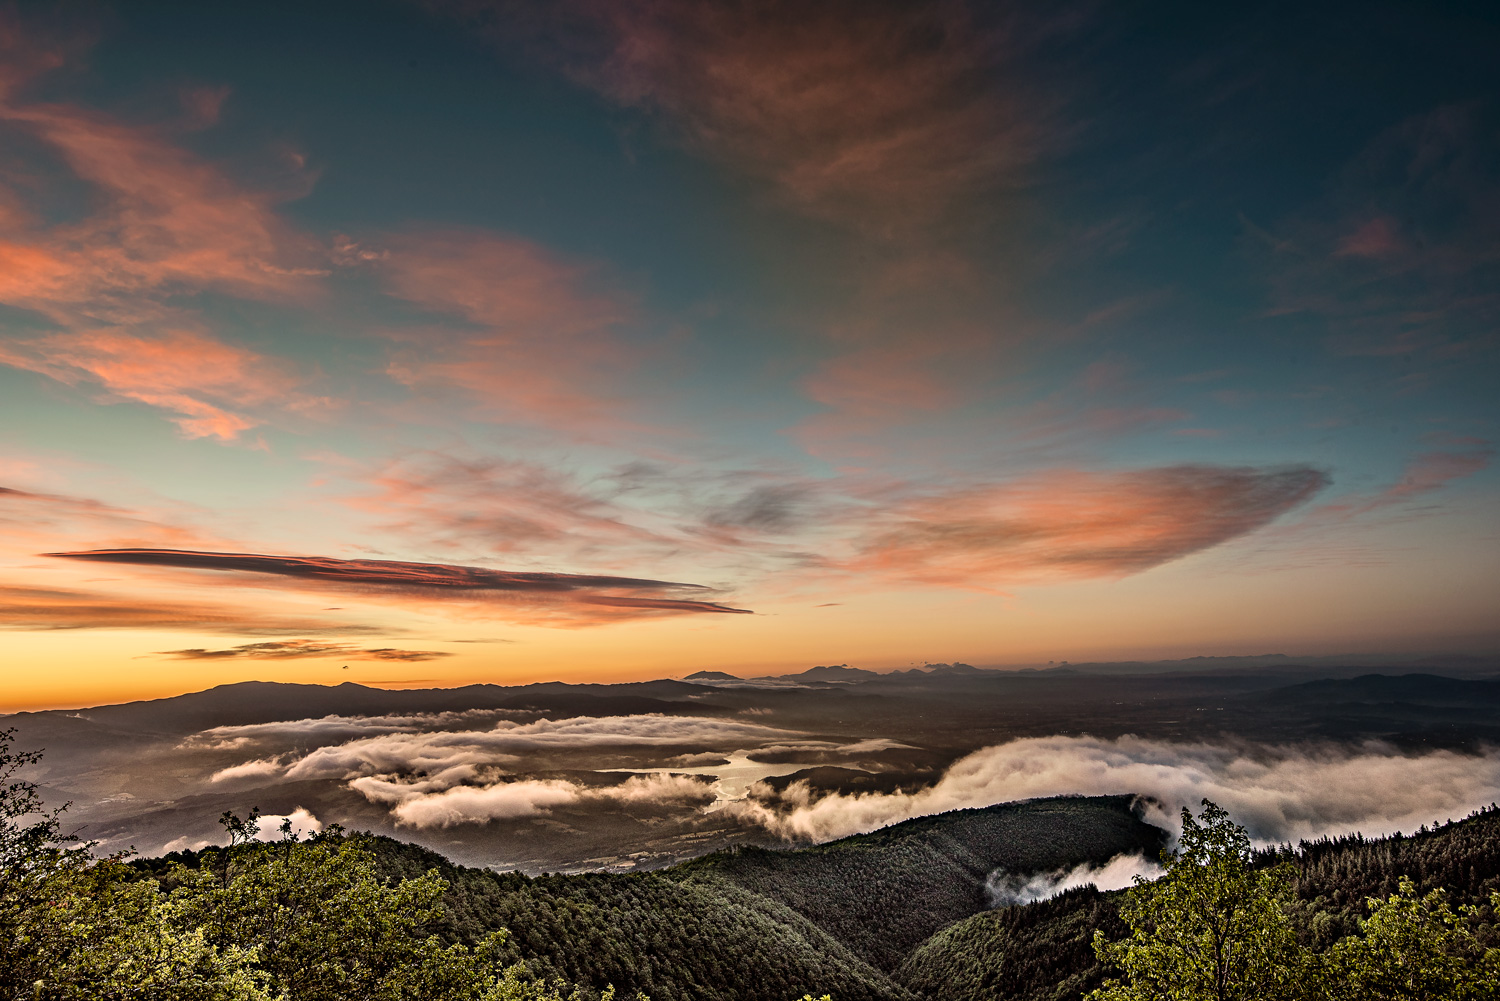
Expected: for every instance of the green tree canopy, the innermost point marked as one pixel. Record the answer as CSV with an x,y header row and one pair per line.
x,y
1217,927
73,927
1213,928
324,925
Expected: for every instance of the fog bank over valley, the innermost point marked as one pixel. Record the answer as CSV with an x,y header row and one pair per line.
x,y
573,777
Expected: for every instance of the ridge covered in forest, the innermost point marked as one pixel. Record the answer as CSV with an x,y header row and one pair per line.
x,y
895,915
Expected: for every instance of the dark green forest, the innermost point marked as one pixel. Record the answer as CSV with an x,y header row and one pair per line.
x,y
1045,950
898,914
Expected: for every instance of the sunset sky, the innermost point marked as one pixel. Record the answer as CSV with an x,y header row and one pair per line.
x,y
433,343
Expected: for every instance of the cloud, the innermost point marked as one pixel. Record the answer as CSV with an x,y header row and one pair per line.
x,y
767,509
1279,794
212,386
335,729
882,116
1398,258
301,819
428,579
30,48
1336,533
32,519
163,222
1076,524
261,768
869,389
698,760
440,777
813,752
1425,473
531,797
501,506
202,105
1007,889
432,754
296,649
157,224
61,608
1434,470
527,336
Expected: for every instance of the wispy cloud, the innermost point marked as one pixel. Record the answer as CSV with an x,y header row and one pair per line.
x,y
1331,533
879,115
337,729
470,502
215,389
527,336
164,222
33,519
1399,258
159,226
63,608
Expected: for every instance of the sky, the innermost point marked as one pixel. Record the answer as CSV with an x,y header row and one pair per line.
x,y
423,344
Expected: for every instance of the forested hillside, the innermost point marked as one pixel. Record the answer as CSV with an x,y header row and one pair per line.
x,y
670,938
1042,951
896,914
751,923
883,893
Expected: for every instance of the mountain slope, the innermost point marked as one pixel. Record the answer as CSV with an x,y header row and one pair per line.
x,y
758,925
1042,951
249,702
883,893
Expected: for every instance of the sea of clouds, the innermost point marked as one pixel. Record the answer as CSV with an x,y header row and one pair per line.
x,y
443,771
1279,793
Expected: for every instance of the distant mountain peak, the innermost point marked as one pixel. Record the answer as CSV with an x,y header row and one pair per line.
x,y
956,667
835,672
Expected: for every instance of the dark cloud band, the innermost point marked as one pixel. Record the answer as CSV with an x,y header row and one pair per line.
x,y
426,577
299,649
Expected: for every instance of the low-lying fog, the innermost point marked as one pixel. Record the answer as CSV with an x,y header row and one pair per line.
x,y
538,789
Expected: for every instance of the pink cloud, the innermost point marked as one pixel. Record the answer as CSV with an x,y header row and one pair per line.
x,y
1331,533
1398,260
530,337
1074,524
869,390
203,105
1376,238
479,504
1424,474
881,116
32,520
166,223
28,51
907,350
47,608
162,225
1434,470
210,385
